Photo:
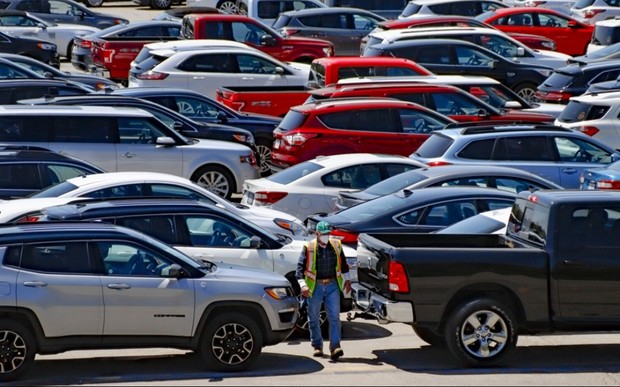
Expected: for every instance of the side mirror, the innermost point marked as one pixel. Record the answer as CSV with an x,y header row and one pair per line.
x,y
166,141
267,40
495,63
255,242
172,271
41,26
279,70
571,24
222,117
178,126
512,105
482,113
520,51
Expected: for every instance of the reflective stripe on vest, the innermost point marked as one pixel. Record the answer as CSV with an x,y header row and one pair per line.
x,y
310,272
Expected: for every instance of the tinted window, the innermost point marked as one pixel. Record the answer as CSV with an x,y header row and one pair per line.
x,y
523,149
119,191
558,80
124,259
435,146
207,63
410,9
58,173
57,257
292,120
583,3
167,190
577,111
137,130
55,190
580,150
161,227
396,183
22,176
83,129
294,173
478,150
214,231
373,120
418,121
23,129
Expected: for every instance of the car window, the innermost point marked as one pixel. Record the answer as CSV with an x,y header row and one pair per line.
x,y
169,190
580,150
430,54
247,33
418,121
498,45
372,120
81,129
252,64
469,56
363,22
17,20
193,107
58,173
548,20
118,191
603,76
214,231
396,169
137,130
515,185
150,31
454,104
577,111
486,6
207,63
341,178
558,80
435,146
479,181
295,173
526,148
22,176
127,259
476,150
62,8
57,257
292,120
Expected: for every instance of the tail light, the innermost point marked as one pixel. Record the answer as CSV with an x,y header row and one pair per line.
x,y
553,96
269,197
107,55
344,236
589,130
29,218
152,76
397,278
437,163
608,184
592,12
85,44
298,139
251,159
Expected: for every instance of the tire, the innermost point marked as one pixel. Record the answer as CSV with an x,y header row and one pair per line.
x,y
304,59
69,49
93,3
429,336
17,350
473,341
216,179
231,342
161,4
228,6
264,151
526,91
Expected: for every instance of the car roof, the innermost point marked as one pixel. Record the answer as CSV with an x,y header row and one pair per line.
x,y
70,109
435,78
575,68
438,30
327,10
548,197
149,91
611,97
342,87
496,130
123,177
425,2
357,158
394,23
361,60
608,23
448,170
10,233
435,194
192,43
349,103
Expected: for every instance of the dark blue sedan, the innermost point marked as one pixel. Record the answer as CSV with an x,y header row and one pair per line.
x,y
601,178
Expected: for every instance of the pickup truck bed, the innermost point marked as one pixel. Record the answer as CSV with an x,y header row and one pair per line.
x,y
270,100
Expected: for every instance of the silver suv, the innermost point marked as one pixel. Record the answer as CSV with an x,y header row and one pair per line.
x,y
129,139
70,286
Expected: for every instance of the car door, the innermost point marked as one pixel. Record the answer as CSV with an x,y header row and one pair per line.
x,y
63,274
575,156
255,70
531,153
205,72
60,11
137,149
138,300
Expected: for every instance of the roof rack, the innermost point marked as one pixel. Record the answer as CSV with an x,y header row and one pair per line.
x,y
512,127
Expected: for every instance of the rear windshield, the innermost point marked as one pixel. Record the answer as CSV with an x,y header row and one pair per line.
x,y
294,173
292,120
395,183
142,55
606,35
55,191
577,111
583,3
605,51
372,40
477,224
435,146
410,9
558,80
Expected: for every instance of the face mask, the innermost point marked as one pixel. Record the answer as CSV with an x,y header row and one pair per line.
x,y
324,239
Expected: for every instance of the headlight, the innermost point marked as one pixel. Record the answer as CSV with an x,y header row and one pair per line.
x,y
294,228
279,293
549,45
46,46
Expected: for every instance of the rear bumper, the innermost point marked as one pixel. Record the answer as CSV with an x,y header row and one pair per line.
x,y
385,310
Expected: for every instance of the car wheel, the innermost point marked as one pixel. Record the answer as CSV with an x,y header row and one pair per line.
x,y
429,336
481,332
93,3
526,91
69,50
17,350
161,4
264,151
231,342
229,7
216,179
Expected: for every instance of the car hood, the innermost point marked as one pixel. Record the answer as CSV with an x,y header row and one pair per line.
x,y
247,274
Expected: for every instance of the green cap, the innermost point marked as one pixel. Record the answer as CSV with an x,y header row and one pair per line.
x,y
323,227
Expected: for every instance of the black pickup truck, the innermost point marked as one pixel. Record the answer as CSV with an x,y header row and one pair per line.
x,y
557,268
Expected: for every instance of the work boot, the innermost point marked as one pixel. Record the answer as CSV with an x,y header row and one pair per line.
x,y
336,353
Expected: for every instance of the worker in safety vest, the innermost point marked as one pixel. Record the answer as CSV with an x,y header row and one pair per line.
x,y
322,273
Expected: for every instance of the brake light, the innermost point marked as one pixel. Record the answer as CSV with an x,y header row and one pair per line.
x,y
250,159
152,76
298,139
557,96
269,197
608,184
589,130
344,236
397,278
108,55
437,163
29,218
592,12
86,43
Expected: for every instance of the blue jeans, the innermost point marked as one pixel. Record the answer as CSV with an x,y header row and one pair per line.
x,y
330,295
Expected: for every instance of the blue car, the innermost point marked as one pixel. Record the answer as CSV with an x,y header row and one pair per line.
x,y
601,178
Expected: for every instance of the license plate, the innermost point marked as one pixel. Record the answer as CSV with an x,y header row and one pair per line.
x,y
592,185
276,144
248,197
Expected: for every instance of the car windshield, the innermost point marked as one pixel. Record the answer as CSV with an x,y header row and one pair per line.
x,y
292,120
395,183
54,191
410,9
435,146
294,173
583,3
603,52
558,80
577,111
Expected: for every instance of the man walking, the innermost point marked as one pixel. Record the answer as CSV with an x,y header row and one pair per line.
x,y
322,273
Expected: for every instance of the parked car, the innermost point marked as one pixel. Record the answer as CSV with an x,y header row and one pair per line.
x,y
25,24
26,169
199,107
47,71
450,7
344,27
80,53
352,125
491,39
266,11
603,87
445,99
206,70
570,35
595,114
422,210
119,282
112,185
11,70
503,178
592,11
610,52
487,222
35,48
459,57
424,21
64,11
13,90
574,80
181,124
606,32
176,14
388,9
125,139
562,6
607,178
313,186
557,154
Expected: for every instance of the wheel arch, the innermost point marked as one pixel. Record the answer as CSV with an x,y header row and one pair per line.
x,y
29,320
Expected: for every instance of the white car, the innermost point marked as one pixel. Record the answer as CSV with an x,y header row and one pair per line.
x,y
494,40
606,33
205,71
26,24
145,184
312,187
591,11
594,114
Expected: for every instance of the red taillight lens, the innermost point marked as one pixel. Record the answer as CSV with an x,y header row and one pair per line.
x,y
152,76
30,218
397,278
85,43
107,55
589,130
592,12
437,163
608,184
344,236
298,139
556,96
268,197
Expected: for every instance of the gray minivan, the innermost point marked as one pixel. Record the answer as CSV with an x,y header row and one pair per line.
x,y
129,139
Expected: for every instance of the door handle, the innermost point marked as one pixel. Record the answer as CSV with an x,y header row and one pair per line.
x,y
35,284
119,286
247,78
198,77
569,170
129,155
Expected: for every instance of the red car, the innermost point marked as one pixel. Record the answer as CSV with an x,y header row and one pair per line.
x,y
448,100
360,125
570,35
532,41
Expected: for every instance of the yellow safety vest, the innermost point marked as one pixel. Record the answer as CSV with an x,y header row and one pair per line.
x,y
310,272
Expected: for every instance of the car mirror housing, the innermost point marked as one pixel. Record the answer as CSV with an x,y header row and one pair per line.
x,y
279,70
267,40
520,51
169,141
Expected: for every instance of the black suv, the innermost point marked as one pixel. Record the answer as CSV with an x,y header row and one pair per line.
x,y
459,57
26,169
13,90
38,49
